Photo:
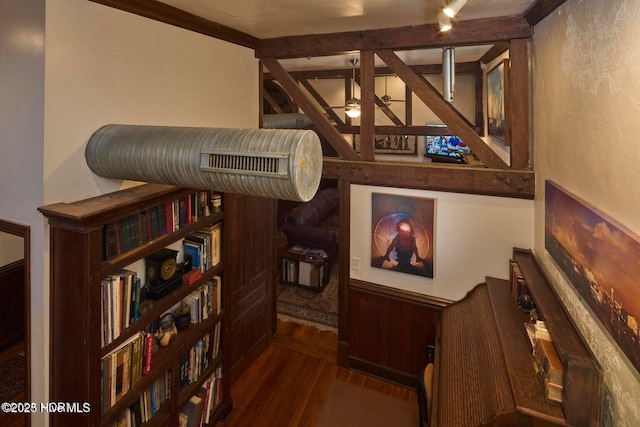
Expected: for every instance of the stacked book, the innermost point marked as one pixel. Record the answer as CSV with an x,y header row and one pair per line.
x,y
194,362
548,364
132,231
123,368
204,247
205,300
120,303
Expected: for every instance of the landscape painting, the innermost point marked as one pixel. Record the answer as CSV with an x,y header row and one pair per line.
x,y
601,259
402,233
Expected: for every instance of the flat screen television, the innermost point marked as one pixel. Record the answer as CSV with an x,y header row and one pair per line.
x,y
446,148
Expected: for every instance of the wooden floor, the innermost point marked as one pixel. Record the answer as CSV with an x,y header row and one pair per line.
x,y
287,384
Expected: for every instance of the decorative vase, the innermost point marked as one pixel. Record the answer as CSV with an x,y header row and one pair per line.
x,y
182,317
167,331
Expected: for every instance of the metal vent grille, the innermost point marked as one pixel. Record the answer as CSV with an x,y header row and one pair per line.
x,y
246,164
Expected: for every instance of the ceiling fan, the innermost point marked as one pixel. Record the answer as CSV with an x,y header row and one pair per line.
x,y
386,98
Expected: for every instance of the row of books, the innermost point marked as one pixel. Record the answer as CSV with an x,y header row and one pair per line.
x,y
205,300
307,274
547,363
123,367
120,303
130,232
147,405
198,410
289,270
195,361
204,247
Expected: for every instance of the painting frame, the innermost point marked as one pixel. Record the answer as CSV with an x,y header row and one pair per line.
x,y
402,233
599,258
406,145
498,123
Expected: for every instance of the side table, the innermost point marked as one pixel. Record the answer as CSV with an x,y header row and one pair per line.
x,y
307,269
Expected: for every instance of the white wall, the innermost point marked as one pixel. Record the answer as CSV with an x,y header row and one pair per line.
x,y
107,66
100,66
21,139
586,92
474,238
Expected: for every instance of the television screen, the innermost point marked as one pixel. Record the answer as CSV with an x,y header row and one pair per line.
x,y
446,148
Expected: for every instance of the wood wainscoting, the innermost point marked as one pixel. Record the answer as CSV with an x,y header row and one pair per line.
x,y
390,331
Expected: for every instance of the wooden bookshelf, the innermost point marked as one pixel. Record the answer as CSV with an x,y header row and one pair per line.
x,y
77,265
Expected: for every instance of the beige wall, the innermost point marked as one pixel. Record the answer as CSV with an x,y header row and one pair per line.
x,y
474,238
106,66
95,65
586,117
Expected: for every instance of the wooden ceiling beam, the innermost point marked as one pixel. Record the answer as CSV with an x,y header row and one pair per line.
x,y
168,14
337,141
444,110
435,177
473,32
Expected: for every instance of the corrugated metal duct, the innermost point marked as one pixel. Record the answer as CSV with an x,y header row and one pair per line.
x,y
285,121
273,163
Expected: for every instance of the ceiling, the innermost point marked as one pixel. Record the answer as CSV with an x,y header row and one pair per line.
x,y
265,19
277,18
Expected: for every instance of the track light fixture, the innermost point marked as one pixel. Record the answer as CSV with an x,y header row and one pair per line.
x,y
444,22
454,7
352,109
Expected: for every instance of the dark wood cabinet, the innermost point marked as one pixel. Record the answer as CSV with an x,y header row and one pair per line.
x,y
78,262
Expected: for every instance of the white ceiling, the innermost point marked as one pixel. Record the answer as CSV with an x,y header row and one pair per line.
x,y
277,18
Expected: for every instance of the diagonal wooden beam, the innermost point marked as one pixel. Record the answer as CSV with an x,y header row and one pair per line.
x,y
342,147
272,102
320,100
430,96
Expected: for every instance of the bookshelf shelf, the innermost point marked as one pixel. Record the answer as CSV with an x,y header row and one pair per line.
x,y
80,259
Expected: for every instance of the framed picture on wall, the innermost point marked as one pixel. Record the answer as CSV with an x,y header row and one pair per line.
x,y
600,258
402,233
392,144
498,102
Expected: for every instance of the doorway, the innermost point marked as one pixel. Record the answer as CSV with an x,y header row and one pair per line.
x,y
15,365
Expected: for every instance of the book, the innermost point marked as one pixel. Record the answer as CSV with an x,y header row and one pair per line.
x,y
193,410
299,249
549,361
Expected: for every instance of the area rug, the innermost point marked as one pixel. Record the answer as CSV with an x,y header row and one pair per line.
x,y
350,405
12,375
319,309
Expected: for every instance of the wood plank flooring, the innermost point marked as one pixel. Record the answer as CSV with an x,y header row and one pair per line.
x,y
287,384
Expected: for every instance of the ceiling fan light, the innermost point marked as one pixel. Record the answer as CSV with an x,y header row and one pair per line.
x,y
444,22
353,108
454,7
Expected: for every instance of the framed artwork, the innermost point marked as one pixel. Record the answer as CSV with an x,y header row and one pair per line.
x,y
498,102
402,233
600,258
392,144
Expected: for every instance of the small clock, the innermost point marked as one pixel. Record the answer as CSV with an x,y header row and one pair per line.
x,y
161,266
